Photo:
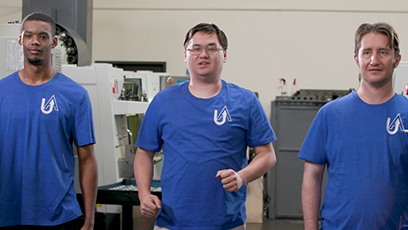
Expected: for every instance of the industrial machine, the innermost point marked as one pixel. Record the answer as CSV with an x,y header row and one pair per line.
x,y
11,53
143,85
73,28
119,100
291,117
104,83
115,99
66,52
125,193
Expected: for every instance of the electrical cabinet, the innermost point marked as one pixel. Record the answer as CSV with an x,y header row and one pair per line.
x,y
291,122
291,118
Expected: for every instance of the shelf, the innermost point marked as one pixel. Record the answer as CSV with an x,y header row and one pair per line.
x,y
129,107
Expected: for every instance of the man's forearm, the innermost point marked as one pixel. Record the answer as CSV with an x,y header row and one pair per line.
x,y
264,160
89,186
143,170
310,204
311,194
88,174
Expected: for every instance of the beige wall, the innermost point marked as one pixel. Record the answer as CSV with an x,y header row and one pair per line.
x,y
311,41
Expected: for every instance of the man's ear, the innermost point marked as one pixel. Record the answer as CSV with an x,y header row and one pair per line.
x,y
356,60
397,61
54,42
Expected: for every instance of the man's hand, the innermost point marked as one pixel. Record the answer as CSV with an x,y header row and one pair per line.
x,y
149,206
230,179
88,226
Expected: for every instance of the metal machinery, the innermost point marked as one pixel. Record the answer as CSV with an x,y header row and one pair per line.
x,y
125,193
74,31
291,117
104,84
11,53
119,100
74,26
12,60
143,86
115,143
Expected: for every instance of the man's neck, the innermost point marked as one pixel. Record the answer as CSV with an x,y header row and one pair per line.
x,y
374,96
204,89
36,75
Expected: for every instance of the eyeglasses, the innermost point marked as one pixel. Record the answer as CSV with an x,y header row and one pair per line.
x,y
211,49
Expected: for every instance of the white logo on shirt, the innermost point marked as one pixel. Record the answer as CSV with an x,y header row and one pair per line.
x,y
49,106
392,128
224,115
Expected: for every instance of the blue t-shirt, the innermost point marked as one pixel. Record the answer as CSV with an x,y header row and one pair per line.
x,y
37,127
200,137
365,149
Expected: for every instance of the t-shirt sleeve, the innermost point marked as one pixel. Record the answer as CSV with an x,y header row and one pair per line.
x,y
260,131
84,127
313,146
149,136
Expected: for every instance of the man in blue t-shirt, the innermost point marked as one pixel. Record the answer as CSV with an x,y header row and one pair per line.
x,y
205,126
42,113
362,140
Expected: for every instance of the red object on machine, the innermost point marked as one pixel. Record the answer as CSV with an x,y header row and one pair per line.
x,y
283,92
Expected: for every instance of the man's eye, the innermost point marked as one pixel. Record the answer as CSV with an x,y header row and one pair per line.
x,y
195,50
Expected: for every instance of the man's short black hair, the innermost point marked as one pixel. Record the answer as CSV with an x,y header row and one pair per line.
x,y
40,16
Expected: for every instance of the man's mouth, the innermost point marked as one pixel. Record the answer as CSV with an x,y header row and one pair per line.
x,y
34,51
374,70
203,63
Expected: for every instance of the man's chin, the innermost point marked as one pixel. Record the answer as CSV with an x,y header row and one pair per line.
x,y
35,61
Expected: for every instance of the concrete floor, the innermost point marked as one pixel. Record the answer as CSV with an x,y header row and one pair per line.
x,y
283,224
142,223
267,224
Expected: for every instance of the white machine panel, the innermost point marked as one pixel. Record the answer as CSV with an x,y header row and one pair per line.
x,y
150,82
11,53
104,83
401,78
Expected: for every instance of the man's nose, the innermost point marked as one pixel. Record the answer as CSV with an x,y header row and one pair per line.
x,y
374,59
204,53
35,40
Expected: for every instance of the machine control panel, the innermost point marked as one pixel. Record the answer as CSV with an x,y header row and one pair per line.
x,y
315,95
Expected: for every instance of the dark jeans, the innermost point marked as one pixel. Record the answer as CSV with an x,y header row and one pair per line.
x,y
71,225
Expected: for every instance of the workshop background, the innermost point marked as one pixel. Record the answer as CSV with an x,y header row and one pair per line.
x,y
311,41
